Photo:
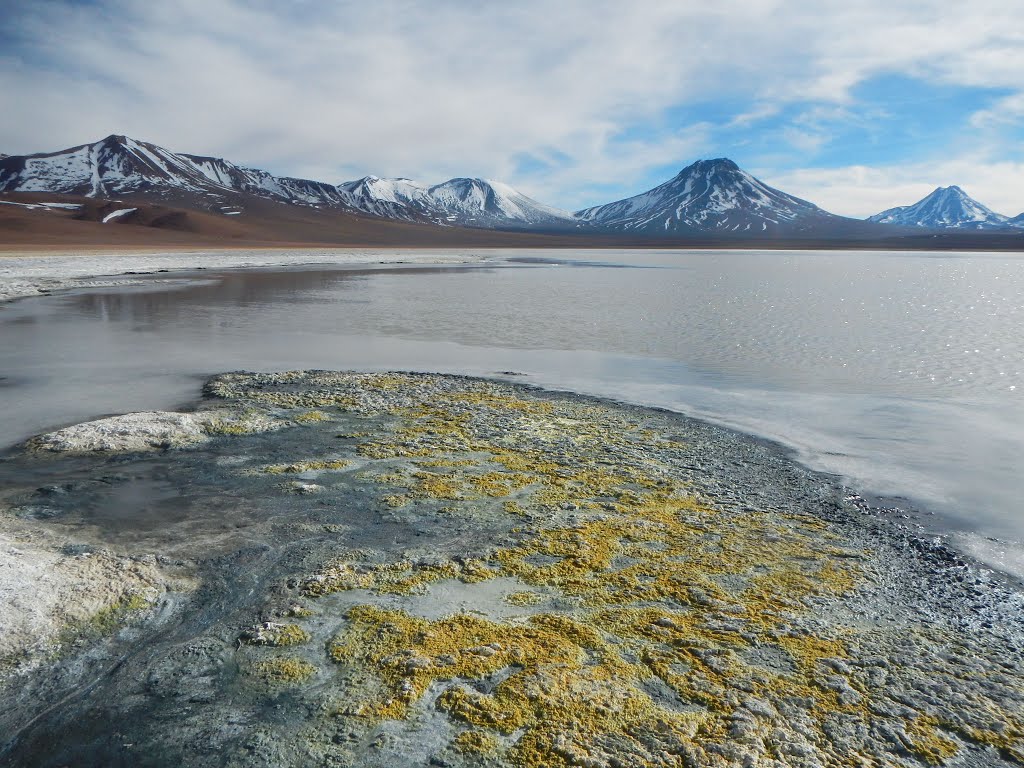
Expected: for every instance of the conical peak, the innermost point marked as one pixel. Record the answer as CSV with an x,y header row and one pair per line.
x,y
715,164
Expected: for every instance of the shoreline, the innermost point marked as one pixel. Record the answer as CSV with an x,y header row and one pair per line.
x,y
39,271
998,553
405,518
25,274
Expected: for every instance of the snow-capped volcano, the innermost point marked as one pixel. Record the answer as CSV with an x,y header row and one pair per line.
x,y
490,203
461,202
709,196
945,208
389,198
124,167
110,166
120,165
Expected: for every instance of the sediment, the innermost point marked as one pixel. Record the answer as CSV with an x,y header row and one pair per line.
x,y
403,569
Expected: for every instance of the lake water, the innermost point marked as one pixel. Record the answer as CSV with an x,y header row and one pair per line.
x,y
903,372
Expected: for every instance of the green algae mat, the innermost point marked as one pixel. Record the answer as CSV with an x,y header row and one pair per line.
x,y
404,569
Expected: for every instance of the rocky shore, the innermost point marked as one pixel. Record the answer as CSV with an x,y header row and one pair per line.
x,y
320,568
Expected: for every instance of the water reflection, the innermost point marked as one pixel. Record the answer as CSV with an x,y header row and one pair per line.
x,y
204,292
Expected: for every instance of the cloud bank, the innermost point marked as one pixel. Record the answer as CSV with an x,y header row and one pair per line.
x,y
576,102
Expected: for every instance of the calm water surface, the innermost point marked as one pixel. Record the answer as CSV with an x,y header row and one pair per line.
x,y
903,372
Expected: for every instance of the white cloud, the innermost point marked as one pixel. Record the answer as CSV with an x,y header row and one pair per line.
x,y
333,90
860,191
1009,110
755,115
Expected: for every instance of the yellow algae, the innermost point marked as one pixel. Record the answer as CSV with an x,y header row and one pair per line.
x,y
475,570
927,743
678,632
313,400
106,620
475,743
436,463
246,422
523,599
1008,740
432,485
514,508
807,651
392,450
568,682
401,577
282,670
306,466
274,634
566,689
499,484
489,398
387,382
310,417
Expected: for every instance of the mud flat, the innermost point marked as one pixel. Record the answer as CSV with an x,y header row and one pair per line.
x,y
320,568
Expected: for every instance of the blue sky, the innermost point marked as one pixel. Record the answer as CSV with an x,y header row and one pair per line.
x,y
855,106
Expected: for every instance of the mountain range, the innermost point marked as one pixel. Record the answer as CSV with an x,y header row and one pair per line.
x,y
119,166
458,202
710,199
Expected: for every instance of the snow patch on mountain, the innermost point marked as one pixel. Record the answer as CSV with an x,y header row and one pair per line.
x,y
945,208
118,214
44,206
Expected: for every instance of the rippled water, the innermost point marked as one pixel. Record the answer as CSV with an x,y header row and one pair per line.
x,y
904,372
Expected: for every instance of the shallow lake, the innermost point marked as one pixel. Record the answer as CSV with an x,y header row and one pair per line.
x,y
901,371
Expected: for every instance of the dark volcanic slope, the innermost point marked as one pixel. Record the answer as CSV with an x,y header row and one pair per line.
x,y
45,220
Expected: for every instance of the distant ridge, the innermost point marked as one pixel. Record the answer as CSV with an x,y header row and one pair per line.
x,y
945,208
456,202
707,202
122,166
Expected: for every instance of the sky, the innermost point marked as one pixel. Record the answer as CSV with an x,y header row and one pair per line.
x,y
858,105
